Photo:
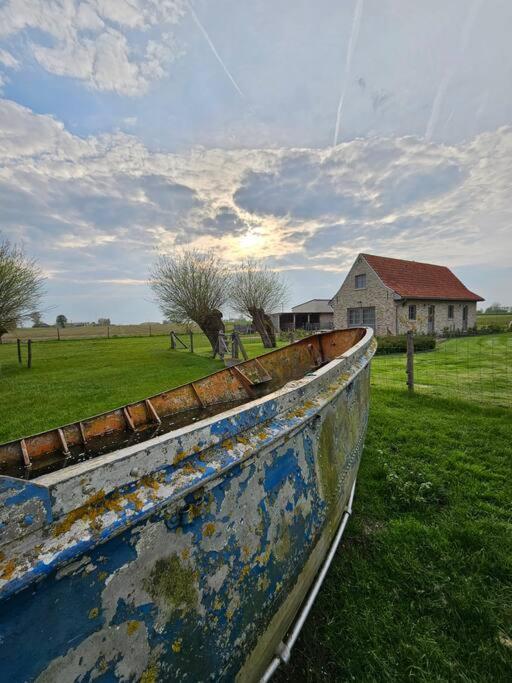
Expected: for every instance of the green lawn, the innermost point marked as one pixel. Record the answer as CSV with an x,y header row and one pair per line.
x,y
475,369
421,588
71,380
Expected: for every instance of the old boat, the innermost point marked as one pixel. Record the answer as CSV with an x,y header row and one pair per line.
x,y
177,538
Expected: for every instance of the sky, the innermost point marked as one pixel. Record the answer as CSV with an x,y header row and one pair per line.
x,y
298,132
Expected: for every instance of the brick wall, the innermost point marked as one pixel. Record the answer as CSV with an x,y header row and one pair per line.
x,y
441,319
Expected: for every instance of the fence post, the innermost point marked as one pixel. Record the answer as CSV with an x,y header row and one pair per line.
x,y
173,342
19,350
191,341
29,356
410,361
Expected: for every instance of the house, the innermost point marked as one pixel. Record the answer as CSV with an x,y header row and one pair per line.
x,y
394,296
315,314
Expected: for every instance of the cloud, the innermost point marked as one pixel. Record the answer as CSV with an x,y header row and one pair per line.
x,y
101,208
6,59
101,42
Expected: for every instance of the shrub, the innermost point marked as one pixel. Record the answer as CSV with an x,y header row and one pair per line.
x,y
492,328
398,344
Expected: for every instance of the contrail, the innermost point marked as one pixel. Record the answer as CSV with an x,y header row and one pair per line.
x,y
214,50
450,72
356,23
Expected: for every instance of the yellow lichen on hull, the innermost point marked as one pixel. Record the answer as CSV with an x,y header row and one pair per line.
x,y
132,627
150,675
173,584
8,570
209,529
93,508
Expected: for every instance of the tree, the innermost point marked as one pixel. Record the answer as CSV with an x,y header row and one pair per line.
x,y
61,320
192,287
36,318
496,307
256,291
20,286
105,322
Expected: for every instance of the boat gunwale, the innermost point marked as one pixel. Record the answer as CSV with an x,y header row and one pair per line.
x,y
178,386
79,469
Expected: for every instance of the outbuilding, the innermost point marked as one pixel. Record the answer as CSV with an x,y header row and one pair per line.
x,y
315,314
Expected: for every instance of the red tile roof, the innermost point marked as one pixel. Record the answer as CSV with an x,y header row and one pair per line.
x,y
420,280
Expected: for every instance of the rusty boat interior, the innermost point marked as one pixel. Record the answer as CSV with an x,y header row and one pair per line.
x,y
39,454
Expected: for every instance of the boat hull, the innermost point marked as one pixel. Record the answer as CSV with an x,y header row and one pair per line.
x,y
195,571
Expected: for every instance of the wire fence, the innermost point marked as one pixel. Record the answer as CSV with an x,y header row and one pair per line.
x,y
54,333
474,369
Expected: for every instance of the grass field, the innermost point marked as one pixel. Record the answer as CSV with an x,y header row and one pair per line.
x,y
502,319
421,588
475,369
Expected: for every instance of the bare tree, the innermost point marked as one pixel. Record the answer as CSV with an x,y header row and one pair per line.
x,y
20,286
256,291
192,287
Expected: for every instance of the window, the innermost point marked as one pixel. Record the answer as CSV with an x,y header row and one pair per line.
x,y
412,312
451,309
361,316
360,281
354,317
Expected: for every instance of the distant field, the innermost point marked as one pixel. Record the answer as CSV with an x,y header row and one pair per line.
x,y
483,320
92,331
